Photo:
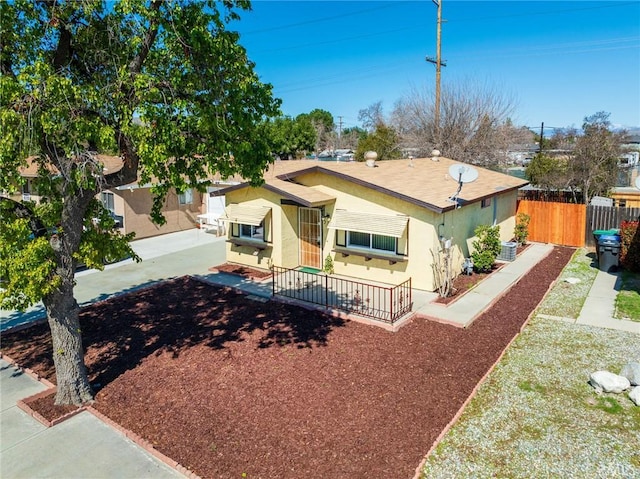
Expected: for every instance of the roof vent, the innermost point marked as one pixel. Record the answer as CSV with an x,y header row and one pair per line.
x,y
435,155
370,158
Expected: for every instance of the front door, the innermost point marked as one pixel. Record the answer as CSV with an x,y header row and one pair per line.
x,y
310,227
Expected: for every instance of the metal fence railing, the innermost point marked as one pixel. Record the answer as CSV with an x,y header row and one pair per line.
x,y
382,303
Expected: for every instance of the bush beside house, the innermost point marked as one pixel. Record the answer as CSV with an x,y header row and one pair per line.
x,y
486,248
630,248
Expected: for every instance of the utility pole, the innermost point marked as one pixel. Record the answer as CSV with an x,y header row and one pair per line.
x,y
340,132
438,61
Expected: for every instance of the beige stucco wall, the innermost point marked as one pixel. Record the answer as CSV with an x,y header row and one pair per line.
x,y
279,228
502,215
423,233
135,206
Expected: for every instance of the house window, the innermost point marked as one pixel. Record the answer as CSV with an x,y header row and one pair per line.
x,y
622,203
27,190
107,200
371,241
486,203
252,232
186,198
26,187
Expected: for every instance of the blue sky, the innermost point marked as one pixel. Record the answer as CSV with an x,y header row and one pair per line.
x,y
560,61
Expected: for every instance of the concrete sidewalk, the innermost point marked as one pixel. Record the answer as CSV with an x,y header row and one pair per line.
x,y
599,307
81,447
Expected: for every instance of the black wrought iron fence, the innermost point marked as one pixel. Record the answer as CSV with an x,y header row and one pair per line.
x,y
383,303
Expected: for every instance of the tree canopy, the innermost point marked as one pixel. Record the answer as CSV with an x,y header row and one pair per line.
x,y
384,141
291,138
548,172
474,124
322,122
586,162
594,166
162,85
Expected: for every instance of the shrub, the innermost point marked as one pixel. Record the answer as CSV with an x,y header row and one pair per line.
x,y
328,265
486,248
521,231
630,247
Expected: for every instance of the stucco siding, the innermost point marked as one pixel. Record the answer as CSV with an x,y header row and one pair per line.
x,y
248,255
423,238
289,251
135,206
421,235
507,205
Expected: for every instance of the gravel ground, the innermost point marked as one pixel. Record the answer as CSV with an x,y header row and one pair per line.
x,y
536,416
568,295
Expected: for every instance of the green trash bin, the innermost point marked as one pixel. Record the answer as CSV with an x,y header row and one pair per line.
x,y
598,233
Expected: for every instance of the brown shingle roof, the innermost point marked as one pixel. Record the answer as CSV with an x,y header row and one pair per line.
x,y
421,181
304,195
111,164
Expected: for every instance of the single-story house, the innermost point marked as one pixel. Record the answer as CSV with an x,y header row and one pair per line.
x,y
131,204
380,223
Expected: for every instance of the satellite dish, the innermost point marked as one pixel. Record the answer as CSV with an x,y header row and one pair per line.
x,y
637,182
462,174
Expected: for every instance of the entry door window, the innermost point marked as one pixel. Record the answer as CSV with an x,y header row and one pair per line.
x,y
310,228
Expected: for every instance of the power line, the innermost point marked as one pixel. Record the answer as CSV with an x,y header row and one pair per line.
x,y
544,13
320,20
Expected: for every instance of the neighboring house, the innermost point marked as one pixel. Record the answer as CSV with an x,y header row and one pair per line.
x,y
522,154
381,223
629,159
629,195
131,204
625,197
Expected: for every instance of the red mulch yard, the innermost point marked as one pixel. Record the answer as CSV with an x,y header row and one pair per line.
x,y
228,386
241,270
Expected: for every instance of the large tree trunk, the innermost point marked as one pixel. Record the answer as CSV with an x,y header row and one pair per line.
x,y
62,308
68,353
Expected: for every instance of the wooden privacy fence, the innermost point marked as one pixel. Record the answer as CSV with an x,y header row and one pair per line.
x,y
607,217
570,224
557,223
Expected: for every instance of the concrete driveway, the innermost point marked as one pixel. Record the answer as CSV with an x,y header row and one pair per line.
x,y
163,257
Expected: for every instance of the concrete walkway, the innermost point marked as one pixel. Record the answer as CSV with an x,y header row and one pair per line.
x,y
465,310
598,309
81,447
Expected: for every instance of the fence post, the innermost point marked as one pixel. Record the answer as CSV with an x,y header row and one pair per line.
x,y
273,283
326,290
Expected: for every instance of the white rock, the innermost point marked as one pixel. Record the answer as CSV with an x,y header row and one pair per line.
x,y
634,395
609,382
631,371
572,280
